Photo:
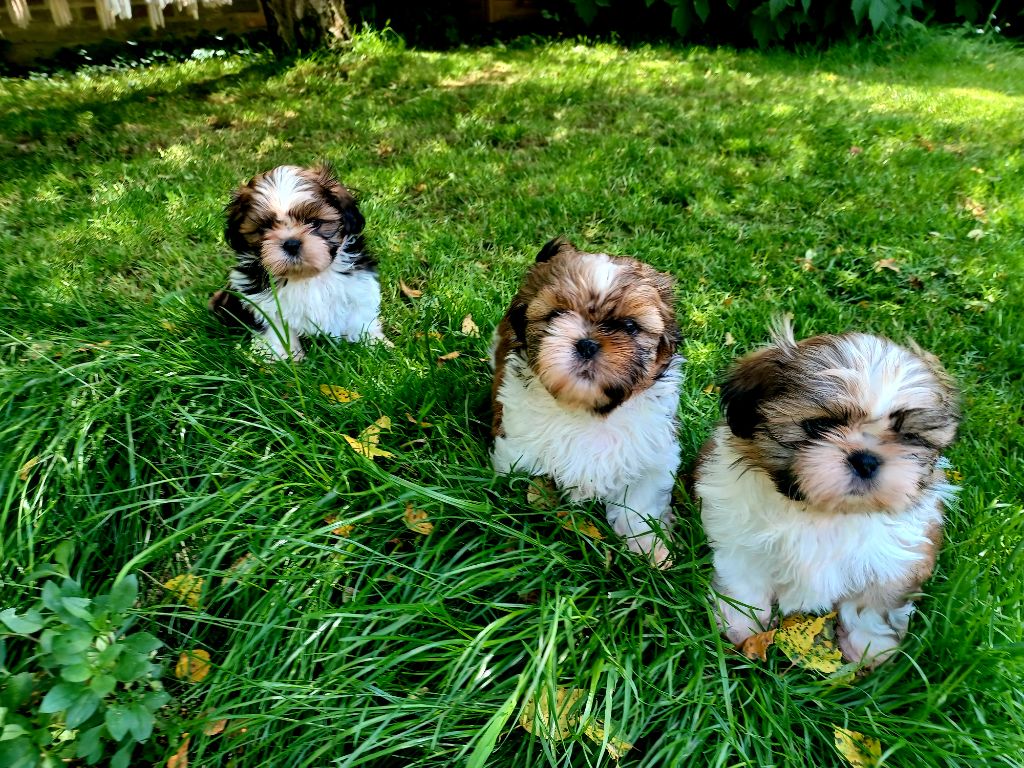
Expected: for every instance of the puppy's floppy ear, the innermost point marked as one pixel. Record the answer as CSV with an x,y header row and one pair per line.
x,y
751,380
338,196
236,211
552,248
671,337
516,317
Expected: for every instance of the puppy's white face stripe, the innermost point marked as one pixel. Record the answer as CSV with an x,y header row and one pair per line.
x,y
283,189
602,273
882,378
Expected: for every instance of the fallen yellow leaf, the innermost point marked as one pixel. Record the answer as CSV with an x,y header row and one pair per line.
x,y
542,493
429,335
616,748
889,264
708,389
193,666
408,292
366,444
366,450
808,642
756,646
180,758
344,530
417,520
860,751
186,588
168,325
337,394
26,467
559,726
469,327
587,528
729,340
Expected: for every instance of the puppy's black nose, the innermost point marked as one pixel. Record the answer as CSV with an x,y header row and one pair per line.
x,y
864,464
291,246
587,348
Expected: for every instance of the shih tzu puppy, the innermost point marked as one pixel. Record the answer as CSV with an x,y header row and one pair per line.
x,y
586,387
302,264
824,490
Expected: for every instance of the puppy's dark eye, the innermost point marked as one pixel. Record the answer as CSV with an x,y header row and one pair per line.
x,y
316,223
818,428
628,326
553,314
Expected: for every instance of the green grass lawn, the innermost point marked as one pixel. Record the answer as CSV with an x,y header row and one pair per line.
x,y
878,187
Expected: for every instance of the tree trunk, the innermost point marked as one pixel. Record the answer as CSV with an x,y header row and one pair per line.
x,y
297,26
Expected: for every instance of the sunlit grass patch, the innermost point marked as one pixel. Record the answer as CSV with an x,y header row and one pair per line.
x,y
846,187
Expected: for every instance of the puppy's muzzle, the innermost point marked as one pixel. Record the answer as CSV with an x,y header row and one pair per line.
x,y
291,246
864,464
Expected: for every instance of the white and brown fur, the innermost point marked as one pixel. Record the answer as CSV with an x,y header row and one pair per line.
x,y
302,267
823,489
586,387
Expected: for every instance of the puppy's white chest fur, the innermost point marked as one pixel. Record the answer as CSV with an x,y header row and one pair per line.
x,y
588,455
804,561
333,302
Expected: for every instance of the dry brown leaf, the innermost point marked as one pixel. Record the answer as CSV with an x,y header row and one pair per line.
x,y
215,727
409,293
808,641
469,327
417,520
542,493
756,646
855,150
366,444
410,419
241,566
26,467
180,758
193,666
450,356
337,394
587,528
887,264
860,751
976,209
187,588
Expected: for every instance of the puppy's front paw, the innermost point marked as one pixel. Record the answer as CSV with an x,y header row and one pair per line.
x,y
272,350
653,548
867,648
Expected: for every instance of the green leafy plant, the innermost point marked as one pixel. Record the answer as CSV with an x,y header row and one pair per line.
x,y
769,21
85,686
